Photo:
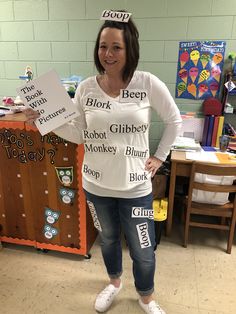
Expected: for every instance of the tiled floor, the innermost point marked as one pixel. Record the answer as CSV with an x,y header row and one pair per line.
x,y
198,280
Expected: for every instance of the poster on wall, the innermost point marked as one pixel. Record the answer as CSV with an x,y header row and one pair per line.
x,y
199,69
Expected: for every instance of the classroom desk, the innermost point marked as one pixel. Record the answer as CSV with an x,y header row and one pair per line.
x,y
180,166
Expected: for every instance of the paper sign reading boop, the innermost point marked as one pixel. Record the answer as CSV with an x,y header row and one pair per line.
x,y
47,95
115,16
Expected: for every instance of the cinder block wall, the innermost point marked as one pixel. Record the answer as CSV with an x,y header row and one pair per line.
x,y
60,34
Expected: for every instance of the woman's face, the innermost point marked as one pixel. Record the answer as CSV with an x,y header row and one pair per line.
x,y
112,50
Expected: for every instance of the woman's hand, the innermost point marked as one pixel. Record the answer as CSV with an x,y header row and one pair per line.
x,y
31,115
152,165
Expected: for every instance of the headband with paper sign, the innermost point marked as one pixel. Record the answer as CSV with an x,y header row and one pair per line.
x,y
117,16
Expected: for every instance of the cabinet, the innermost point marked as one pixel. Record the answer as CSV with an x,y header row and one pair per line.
x,y
42,203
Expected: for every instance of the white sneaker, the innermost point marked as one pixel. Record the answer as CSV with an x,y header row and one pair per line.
x,y
105,297
151,308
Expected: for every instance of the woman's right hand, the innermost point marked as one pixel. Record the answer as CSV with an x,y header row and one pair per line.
x,y
31,115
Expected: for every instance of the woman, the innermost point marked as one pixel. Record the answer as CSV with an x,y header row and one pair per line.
x,y
115,111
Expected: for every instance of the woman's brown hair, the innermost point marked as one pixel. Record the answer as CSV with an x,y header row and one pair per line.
x,y
131,36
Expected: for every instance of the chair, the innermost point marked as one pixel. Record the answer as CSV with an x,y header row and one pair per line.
x,y
227,212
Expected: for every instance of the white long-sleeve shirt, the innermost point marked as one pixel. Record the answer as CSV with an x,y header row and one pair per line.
x,y
115,133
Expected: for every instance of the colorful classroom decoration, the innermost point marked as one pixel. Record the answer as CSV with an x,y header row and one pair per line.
x,y
32,213
199,69
67,195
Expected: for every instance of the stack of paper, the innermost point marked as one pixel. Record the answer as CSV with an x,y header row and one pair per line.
x,y
10,109
185,144
212,157
203,156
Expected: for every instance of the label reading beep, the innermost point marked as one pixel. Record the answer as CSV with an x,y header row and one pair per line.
x,y
132,95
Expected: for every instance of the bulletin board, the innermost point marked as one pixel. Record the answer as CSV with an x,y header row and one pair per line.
x,y
199,69
42,203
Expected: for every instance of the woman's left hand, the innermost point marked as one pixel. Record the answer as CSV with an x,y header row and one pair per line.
x,y
152,165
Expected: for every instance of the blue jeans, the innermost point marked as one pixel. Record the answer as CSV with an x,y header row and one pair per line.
x,y
135,218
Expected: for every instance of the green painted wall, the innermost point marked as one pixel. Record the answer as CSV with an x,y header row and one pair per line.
x,y
60,34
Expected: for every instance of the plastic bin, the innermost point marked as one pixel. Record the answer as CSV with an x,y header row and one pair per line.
x,y
160,207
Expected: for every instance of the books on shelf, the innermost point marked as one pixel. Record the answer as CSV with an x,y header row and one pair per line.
x,y
220,129
205,130
213,128
210,130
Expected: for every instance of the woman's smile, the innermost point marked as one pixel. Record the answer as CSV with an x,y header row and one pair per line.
x,y
112,50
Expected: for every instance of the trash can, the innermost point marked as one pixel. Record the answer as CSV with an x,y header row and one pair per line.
x,y
160,207
160,182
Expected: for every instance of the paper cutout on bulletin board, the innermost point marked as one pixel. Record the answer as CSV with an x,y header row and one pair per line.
x,y
51,215
65,175
67,195
49,231
199,69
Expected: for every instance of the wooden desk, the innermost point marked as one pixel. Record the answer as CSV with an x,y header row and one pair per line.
x,y
179,167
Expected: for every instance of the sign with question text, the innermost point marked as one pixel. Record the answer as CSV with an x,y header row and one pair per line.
x,y
47,95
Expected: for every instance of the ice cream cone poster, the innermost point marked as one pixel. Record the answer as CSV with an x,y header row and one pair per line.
x,y
193,73
194,56
183,74
184,57
203,76
199,69
181,88
216,73
192,89
214,87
